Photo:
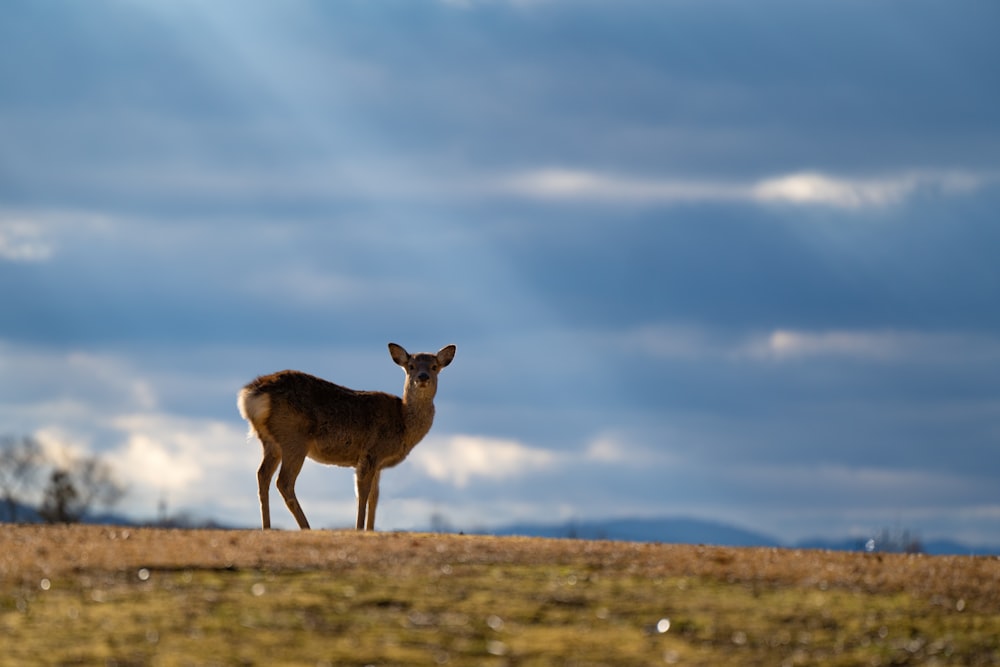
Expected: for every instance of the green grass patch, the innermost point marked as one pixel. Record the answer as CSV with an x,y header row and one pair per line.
x,y
470,613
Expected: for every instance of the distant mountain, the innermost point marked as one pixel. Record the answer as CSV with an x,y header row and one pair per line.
x,y
832,544
697,531
28,514
952,548
673,530
23,513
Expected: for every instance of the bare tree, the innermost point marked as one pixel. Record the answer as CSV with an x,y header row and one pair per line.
x,y
99,486
61,502
21,462
896,540
74,490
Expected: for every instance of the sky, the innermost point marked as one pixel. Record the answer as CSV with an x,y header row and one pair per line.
x,y
715,259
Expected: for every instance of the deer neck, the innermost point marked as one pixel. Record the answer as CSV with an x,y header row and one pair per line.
x,y
418,415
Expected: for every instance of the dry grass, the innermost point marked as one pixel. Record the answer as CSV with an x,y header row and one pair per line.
x,y
113,595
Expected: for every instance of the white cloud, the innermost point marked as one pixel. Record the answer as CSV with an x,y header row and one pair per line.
x,y
60,446
816,188
31,240
629,452
36,234
876,345
469,4
807,188
195,461
111,372
670,342
23,241
786,344
158,463
575,184
310,288
823,189
458,458
606,449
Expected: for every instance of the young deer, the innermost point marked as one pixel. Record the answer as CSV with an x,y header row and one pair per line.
x,y
296,415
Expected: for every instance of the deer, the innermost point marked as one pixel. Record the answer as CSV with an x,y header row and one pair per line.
x,y
297,416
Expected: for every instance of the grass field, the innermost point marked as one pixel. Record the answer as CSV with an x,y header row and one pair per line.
x,y
82,595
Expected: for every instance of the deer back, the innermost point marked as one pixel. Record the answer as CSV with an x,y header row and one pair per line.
x,y
338,425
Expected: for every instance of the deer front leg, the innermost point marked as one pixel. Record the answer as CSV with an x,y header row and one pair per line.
x,y
365,475
373,500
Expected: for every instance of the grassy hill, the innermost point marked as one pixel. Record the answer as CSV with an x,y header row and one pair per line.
x,y
128,596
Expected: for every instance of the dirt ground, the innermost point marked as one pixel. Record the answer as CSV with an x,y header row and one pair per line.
x,y
31,552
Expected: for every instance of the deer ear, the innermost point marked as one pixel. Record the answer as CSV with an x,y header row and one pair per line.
x,y
399,355
445,355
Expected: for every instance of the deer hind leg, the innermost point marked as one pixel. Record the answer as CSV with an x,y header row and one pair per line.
x,y
291,464
272,457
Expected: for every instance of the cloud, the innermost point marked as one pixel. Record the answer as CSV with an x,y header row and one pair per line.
x,y
685,342
470,4
113,373
190,459
671,341
459,458
861,485
37,235
23,241
60,446
921,347
623,451
606,449
583,185
312,287
815,188
293,188
578,184
806,188
784,344
158,464
66,377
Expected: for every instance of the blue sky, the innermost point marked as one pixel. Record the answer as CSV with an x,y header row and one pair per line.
x,y
718,259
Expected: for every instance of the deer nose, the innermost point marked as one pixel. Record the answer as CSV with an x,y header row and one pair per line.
x,y
423,376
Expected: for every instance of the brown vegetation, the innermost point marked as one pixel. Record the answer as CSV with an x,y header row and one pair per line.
x,y
33,551
335,597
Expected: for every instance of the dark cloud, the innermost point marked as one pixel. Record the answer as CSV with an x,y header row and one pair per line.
x,y
750,246
927,265
664,87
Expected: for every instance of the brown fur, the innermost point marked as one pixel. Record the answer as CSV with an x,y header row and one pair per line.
x,y
297,415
